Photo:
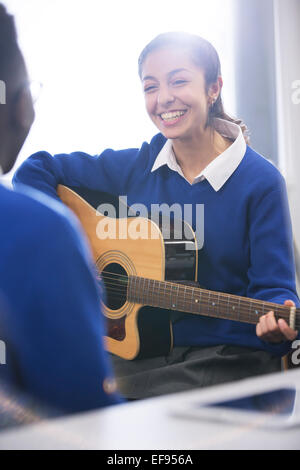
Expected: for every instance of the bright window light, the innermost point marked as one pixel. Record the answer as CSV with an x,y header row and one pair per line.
x,y
85,54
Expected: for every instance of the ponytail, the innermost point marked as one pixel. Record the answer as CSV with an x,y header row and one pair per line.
x,y
217,111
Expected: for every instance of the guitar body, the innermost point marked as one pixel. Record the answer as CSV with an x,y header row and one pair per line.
x,y
133,246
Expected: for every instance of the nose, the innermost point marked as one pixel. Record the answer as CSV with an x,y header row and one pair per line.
x,y
165,97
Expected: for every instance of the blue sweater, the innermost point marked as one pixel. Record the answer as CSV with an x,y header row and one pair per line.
x,y
50,318
248,247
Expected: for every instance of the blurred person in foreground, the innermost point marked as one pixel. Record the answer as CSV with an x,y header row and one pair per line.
x,y
50,316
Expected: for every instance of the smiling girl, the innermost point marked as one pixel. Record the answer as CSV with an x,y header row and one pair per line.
x,y
179,101
200,156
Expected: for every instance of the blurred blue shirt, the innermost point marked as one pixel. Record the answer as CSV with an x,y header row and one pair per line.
x,y
50,315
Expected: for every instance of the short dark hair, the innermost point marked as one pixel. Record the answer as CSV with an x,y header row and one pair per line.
x,y
8,42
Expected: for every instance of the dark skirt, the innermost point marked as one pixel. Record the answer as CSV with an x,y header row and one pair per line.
x,y
187,368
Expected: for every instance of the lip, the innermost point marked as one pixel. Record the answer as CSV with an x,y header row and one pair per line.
x,y
174,121
172,111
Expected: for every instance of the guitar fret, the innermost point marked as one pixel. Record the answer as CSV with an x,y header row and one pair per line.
x,y
159,289
160,296
165,297
169,298
228,307
213,304
192,299
200,301
171,295
141,296
217,305
196,306
136,290
256,312
177,298
148,291
155,297
144,301
153,292
233,308
184,293
276,313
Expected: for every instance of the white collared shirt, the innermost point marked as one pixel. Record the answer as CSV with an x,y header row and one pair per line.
x,y
222,167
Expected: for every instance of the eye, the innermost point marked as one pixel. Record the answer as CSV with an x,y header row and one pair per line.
x,y
179,82
150,88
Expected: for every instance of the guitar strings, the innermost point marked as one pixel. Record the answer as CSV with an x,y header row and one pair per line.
x,y
170,286
242,314
204,310
121,291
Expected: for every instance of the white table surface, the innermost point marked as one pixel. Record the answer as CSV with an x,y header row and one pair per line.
x,y
152,425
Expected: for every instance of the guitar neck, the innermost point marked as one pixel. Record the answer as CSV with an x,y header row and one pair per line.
x,y
173,296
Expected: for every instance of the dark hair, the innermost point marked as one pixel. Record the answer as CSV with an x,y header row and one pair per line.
x,y
9,49
205,56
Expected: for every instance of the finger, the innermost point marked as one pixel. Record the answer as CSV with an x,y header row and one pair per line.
x,y
262,329
287,332
289,303
268,329
262,326
271,323
258,329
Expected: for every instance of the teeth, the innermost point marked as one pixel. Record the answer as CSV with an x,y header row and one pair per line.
x,y
173,115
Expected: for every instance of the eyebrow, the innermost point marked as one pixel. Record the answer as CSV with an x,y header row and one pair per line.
x,y
170,74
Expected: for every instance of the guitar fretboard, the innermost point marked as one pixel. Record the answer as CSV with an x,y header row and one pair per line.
x,y
172,296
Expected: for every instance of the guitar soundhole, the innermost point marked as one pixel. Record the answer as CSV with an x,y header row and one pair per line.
x,y
115,280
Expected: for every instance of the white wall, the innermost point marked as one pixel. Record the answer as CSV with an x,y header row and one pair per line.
x,y
287,33
86,52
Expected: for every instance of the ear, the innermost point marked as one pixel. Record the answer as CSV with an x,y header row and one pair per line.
x,y
24,111
215,90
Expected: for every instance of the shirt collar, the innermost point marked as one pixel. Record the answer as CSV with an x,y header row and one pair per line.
x,y
222,167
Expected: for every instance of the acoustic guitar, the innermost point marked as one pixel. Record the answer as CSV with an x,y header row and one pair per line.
x,y
150,276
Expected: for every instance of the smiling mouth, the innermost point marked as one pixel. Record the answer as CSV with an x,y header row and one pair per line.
x,y
172,115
